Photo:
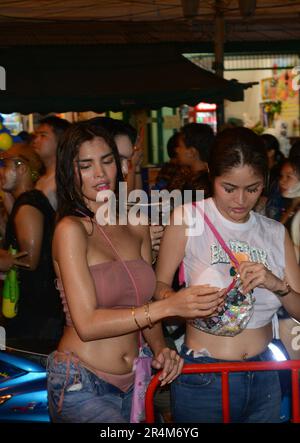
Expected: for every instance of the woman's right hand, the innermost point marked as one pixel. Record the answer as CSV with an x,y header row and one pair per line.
x,y
197,301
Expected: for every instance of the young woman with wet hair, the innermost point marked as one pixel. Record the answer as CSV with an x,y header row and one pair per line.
x,y
106,283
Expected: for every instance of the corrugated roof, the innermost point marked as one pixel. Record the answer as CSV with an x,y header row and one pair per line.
x,y
29,22
133,10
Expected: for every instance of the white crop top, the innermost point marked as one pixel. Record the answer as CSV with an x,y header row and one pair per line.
x,y
261,238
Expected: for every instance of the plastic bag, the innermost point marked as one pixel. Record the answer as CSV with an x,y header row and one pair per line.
x,y
142,367
238,307
235,315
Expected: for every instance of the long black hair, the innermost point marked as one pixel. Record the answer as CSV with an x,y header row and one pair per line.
x,y
70,200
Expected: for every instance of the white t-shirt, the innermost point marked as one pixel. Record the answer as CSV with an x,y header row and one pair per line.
x,y
205,261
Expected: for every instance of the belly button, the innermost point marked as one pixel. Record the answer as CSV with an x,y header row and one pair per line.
x,y
126,358
244,356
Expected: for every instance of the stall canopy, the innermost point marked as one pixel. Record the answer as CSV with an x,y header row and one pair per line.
x,y
99,77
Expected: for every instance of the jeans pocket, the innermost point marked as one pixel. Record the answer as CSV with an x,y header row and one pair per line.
x,y
196,380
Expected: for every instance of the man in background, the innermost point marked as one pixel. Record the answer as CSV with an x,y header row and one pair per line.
x,y
45,142
30,224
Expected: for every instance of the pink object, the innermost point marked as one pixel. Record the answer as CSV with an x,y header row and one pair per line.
x,y
142,367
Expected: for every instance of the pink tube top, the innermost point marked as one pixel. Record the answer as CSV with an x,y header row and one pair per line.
x,y
114,288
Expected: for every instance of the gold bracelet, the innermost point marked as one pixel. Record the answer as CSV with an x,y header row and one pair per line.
x,y
134,317
147,314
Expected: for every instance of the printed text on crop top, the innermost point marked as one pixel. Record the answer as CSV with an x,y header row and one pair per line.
x,y
205,261
114,288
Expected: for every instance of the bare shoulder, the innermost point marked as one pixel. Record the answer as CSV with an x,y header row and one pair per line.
x,y
28,211
69,222
45,182
69,229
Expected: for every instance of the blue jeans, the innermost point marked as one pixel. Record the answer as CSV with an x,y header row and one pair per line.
x,y
255,397
77,395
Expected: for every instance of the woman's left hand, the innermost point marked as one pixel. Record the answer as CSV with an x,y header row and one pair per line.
x,y
255,275
171,364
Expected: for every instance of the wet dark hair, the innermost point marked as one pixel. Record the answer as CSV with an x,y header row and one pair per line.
x,y
199,136
70,200
116,127
58,125
173,144
237,147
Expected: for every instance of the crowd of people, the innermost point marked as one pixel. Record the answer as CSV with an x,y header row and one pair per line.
x,y
93,292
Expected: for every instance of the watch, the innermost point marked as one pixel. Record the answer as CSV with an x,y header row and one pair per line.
x,y
284,292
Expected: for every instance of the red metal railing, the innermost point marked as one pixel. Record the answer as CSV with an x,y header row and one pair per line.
x,y
225,368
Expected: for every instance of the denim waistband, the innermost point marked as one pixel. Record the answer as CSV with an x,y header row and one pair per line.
x,y
72,367
265,355
76,374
